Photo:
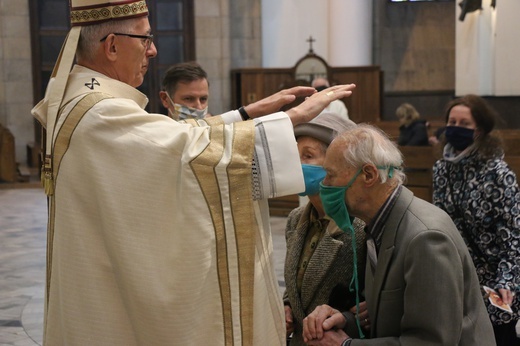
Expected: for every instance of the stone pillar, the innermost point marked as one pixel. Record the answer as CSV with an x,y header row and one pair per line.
x,y
212,50
342,30
507,49
228,36
486,50
286,26
16,97
350,33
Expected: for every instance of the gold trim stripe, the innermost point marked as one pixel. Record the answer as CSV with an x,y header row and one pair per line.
x,y
203,168
210,121
239,172
96,14
191,122
214,121
245,227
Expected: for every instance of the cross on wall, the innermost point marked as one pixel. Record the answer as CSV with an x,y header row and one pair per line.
x,y
311,40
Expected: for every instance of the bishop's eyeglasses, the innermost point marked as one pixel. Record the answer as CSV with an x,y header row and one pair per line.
x,y
147,39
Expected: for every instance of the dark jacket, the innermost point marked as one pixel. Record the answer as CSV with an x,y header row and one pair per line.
x,y
414,134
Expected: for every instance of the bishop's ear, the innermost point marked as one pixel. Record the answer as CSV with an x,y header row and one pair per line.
x,y
110,47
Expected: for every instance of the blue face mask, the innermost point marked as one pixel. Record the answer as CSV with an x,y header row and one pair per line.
x,y
313,175
459,137
181,112
333,200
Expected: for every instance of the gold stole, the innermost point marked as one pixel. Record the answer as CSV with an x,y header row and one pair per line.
x,y
244,222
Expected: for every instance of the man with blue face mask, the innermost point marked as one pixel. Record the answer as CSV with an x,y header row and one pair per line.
x,y
185,91
185,94
421,286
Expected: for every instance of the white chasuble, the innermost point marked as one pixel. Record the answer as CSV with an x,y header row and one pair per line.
x,y
155,238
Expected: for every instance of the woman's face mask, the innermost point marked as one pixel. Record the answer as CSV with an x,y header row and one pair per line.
x,y
459,137
313,175
333,200
183,112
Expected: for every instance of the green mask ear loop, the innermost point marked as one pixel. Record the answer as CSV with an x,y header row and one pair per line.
x,y
390,170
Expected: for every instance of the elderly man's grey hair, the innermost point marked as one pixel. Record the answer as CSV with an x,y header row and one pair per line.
x,y
89,39
368,144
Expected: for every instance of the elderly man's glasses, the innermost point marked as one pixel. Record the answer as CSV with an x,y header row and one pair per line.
x,y
147,39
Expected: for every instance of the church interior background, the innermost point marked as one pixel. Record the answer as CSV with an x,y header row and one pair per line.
x,y
395,51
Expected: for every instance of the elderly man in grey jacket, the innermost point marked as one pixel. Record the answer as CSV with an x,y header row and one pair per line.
x,y
421,285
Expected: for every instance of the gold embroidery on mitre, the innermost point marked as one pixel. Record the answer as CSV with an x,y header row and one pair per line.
x,y
92,14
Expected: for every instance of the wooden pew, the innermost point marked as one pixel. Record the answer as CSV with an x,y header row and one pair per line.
x,y
514,163
8,165
511,139
282,206
419,161
418,166
391,128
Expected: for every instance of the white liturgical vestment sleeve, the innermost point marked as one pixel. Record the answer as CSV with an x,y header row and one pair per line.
x,y
277,167
278,174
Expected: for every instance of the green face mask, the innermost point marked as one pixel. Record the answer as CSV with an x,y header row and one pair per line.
x,y
333,200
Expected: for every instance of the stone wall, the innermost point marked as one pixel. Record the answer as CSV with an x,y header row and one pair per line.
x,y
414,43
228,36
16,96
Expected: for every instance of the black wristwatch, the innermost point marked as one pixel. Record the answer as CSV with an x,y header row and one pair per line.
x,y
243,113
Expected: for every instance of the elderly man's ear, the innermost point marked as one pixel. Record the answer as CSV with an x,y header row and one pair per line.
x,y
370,175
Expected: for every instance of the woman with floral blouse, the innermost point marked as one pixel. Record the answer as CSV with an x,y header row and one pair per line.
x,y
477,188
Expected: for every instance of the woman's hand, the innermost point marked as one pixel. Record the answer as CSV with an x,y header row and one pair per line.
x,y
507,296
289,325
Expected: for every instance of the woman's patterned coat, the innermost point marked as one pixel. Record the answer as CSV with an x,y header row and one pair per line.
x,y
483,199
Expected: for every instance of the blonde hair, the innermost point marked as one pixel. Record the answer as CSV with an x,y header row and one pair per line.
x,y
407,114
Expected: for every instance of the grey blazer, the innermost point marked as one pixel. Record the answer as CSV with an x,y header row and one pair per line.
x,y
328,273
424,290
